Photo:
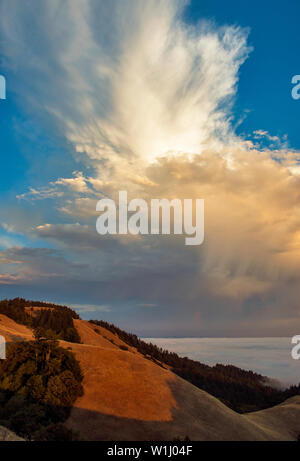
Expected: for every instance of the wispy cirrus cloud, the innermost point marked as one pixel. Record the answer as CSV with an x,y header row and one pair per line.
x,y
117,95
90,308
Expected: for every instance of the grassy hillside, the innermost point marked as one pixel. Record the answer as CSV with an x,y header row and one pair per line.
x,y
241,390
110,385
129,397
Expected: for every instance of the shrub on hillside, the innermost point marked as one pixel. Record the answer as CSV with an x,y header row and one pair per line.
x,y
39,383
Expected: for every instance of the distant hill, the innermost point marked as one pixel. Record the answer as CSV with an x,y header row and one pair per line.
x,y
130,391
56,321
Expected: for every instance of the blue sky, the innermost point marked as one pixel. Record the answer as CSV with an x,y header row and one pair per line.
x,y
102,97
265,78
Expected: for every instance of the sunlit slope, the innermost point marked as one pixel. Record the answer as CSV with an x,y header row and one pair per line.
x,y
128,397
97,336
13,331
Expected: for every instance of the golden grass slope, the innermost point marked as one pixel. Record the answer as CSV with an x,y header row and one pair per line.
x,y
128,397
13,331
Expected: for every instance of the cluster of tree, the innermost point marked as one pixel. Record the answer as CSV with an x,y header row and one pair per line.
x,y
54,320
15,309
72,313
39,383
239,389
